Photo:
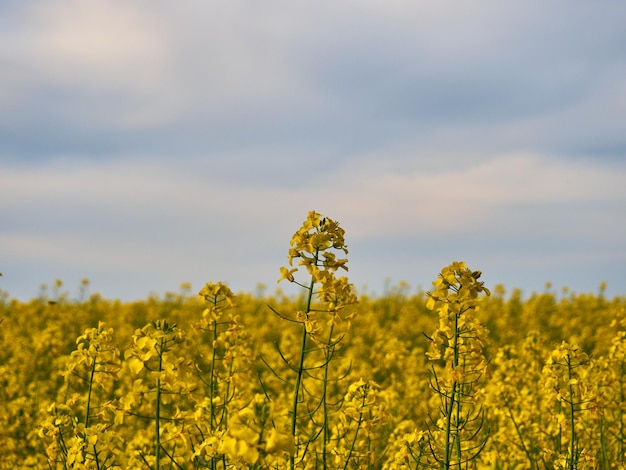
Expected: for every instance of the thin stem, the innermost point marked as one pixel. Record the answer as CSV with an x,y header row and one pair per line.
x,y
532,462
157,440
453,402
449,411
87,411
213,381
622,396
571,409
356,432
296,389
327,357
604,461
93,372
95,457
300,370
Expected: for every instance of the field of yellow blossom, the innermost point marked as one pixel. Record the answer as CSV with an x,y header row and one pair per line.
x,y
463,376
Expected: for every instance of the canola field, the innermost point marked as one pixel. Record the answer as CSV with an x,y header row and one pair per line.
x,y
465,376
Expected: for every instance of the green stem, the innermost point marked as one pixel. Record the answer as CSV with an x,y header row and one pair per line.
x,y
223,421
356,432
447,444
452,405
558,440
604,461
521,438
457,436
296,390
571,410
213,382
622,396
157,427
327,358
300,371
95,456
87,411
93,373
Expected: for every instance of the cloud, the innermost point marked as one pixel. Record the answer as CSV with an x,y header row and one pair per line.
x,y
413,202
136,226
357,74
177,202
75,54
146,64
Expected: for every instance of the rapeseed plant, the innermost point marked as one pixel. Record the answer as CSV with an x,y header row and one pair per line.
x,y
564,379
362,414
217,366
315,246
229,426
454,436
161,377
78,430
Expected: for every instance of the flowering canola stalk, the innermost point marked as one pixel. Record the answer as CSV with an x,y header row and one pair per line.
x,y
315,246
458,342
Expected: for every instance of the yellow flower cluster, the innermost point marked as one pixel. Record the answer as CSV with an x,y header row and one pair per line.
x,y
456,300
315,245
456,289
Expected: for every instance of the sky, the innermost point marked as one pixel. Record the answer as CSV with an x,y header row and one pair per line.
x,y
148,143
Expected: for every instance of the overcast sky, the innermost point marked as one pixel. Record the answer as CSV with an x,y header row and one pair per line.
x,y
148,143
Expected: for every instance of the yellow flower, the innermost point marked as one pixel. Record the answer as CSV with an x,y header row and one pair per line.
x,y
287,274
